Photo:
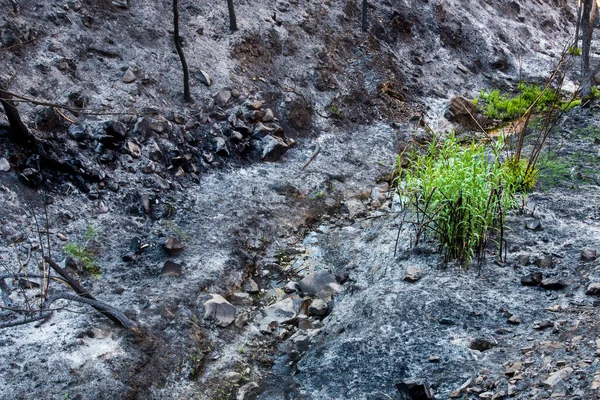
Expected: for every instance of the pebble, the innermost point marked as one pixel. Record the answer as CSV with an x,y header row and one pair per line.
x,y
413,275
251,286
318,308
534,225
587,255
4,165
129,76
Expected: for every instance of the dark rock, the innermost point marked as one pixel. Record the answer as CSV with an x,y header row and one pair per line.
x,y
171,269
446,321
413,275
241,320
532,279
318,308
434,359
31,177
541,325
342,276
553,284
534,225
248,392
223,97
462,111
593,289
46,118
251,286
515,320
411,390
482,344
219,310
321,284
588,255
116,129
241,299
274,147
173,246
524,259
290,287
221,147
545,261
260,131
135,245
78,133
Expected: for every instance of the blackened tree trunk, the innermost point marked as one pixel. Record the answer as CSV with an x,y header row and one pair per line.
x,y
232,20
578,26
364,15
18,130
587,28
186,76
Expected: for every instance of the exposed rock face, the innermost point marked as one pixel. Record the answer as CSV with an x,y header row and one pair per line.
x,y
463,112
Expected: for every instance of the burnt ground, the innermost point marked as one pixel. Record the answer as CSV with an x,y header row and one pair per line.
x,y
297,79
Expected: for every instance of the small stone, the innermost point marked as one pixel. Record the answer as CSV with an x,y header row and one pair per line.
x,y
413,275
273,147
593,289
321,284
290,287
481,344
248,391
553,284
256,105
203,77
241,320
149,168
171,269
62,237
219,310
221,147
544,262
4,165
173,246
232,377
555,378
318,308
133,149
446,321
541,325
515,320
251,286
534,225
223,97
241,299
532,279
434,359
268,117
129,76
414,390
524,259
587,255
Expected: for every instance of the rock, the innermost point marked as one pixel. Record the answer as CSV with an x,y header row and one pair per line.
x,y
173,246
587,255
171,269
251,286
342,276
219,310
413,275
223,97
149,168
247,392
221,147
556,377
133,149
241,320
413,390
553,284
241,299
232,377
273,147
203,77
320,284
515,320
434,359
593,289
4,165
290,287
280,312
129,76
544,262
260,131
318,308
255,105
532,279
541,325
31,177
524,259
355,207
482,344
534,225
462,111
446,321
268,117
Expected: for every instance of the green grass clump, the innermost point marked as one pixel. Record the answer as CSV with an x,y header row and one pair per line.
x,y
460,195
87,259
498,106
574,51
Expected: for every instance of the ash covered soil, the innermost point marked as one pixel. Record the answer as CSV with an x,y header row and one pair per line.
x,y
274,191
